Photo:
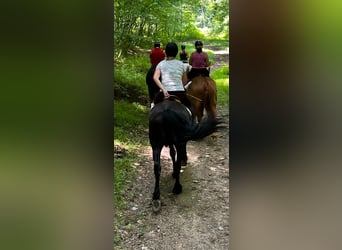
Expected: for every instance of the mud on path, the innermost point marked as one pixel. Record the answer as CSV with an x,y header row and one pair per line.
x,y
195,219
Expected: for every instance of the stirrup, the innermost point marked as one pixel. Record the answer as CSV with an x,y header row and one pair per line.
x,y
187,85
189,111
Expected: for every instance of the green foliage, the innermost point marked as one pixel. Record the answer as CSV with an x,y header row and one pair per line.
x,y
212,18
129,78
130,123
122,171
137,25
221,77
128,117
223,44
221,73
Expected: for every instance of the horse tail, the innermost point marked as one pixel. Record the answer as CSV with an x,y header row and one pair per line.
x,y
202,129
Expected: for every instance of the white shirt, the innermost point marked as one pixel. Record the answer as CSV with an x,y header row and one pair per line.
x,y
171,74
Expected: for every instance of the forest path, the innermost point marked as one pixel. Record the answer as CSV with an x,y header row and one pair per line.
x,y
195,219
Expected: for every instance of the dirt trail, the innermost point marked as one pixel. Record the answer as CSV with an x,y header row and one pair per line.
x,y
195,219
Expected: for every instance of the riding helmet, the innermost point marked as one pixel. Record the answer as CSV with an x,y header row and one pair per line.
x,y
171,49
157,44
198,43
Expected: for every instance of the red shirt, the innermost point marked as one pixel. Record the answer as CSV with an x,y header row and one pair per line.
x,y
156,55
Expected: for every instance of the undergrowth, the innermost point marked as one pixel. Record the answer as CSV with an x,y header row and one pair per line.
x,y
221,77
130,123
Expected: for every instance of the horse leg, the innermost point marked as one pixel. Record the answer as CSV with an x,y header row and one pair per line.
x,y
200,110
183,154
173,157
196,111
177,189
210,105
157,170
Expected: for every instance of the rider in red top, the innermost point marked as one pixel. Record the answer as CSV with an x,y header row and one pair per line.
x,y
156,55
199,62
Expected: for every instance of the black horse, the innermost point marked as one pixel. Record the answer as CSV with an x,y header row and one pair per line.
x,y
170,124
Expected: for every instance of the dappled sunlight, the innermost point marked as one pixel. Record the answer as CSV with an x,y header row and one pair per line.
x,y
222,82
127,145
139,107
193,154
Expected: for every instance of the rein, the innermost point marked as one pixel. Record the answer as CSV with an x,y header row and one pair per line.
x,y
196,98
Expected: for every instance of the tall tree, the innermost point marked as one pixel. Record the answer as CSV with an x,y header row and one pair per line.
x,y
139,23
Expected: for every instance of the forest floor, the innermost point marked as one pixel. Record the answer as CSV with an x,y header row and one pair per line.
x,y
195,219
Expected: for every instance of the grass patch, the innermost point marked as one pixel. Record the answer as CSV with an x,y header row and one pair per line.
x,y
222,43
130,120
221,77
123,172
129,78
130,123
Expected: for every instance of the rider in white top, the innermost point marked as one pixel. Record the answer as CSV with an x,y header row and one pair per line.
x,y
172,71
173,76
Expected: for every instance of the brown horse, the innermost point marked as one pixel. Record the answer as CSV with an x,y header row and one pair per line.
x,y
202,94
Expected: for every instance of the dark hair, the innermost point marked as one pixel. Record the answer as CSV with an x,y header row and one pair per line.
x,y
157,44
171,49
183,46
198,43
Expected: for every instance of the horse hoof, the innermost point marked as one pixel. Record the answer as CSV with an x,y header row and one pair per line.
x,y
184,162
156,205
177,189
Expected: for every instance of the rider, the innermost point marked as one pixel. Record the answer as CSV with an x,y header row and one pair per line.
x,y
173,76
183,55
199,61
156,56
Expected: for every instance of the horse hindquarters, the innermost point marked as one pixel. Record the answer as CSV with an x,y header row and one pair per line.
x,y
211,101
196,95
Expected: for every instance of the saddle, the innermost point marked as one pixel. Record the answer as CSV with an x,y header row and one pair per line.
x,y
177,99
173,98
